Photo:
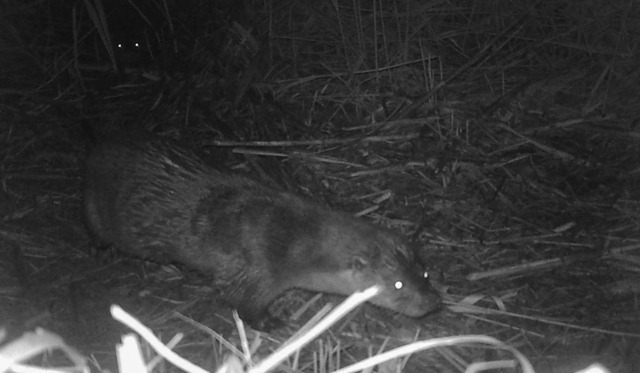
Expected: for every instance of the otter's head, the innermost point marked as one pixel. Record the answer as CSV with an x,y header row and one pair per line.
x,y
371,255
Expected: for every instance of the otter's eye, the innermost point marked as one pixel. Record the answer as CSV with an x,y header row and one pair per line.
x,y
398,285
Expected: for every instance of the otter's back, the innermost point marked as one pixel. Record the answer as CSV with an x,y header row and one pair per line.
x,y
139,196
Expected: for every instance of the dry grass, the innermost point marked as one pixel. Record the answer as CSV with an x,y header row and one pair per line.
x,y
501,136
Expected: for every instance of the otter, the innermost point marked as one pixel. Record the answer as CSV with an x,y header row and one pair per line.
x,y
160,201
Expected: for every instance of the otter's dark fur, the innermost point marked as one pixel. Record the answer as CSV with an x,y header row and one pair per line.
x,y
157,200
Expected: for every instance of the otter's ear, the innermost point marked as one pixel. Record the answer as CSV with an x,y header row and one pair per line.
x,y
358,263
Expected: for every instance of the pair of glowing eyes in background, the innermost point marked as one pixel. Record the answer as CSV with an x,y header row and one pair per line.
x,y
135,45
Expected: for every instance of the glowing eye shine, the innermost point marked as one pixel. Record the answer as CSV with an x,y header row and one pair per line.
x,y
398,285
425,275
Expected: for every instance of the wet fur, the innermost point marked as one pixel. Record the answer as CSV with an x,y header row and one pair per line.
x,y
157,200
